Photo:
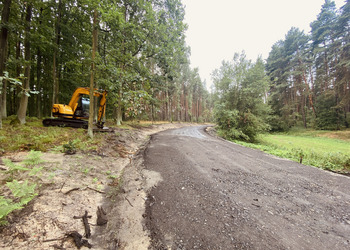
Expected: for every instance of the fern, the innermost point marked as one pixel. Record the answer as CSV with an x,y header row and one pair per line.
x,y
33,158
6,207
13,167
22,190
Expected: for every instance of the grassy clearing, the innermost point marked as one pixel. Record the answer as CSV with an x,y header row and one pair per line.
x,y
324,149
34,136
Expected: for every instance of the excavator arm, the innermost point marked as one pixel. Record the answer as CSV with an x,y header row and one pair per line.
x,y
102,109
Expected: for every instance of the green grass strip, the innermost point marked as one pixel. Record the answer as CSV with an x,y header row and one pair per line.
x,y
326,153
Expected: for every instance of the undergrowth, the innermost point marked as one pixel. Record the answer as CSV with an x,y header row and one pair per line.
x,y
34,136
19,184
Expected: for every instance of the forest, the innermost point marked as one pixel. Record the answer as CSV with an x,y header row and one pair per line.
x,y
140,57
304,82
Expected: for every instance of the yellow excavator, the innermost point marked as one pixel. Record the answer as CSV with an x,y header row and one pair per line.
x,y
76,113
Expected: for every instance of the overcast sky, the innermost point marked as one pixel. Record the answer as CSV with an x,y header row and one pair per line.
x,y
219,28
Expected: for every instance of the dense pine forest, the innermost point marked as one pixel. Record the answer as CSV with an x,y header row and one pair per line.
x,y
136,50
304,82
140,58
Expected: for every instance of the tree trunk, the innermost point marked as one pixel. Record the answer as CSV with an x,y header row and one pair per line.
x,y
3,49
17,91
93,68
22,110
38,75
185,104
152,105
4,97
57,42
326,83
120,96
38,83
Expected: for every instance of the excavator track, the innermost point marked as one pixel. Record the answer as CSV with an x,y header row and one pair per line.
x,y
61,122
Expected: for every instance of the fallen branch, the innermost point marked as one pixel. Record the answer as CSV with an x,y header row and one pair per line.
x,y
62,186
49,240
85,218
73,189
78,240
98,191
129,201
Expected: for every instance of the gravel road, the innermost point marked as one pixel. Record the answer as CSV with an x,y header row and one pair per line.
x,y
219,195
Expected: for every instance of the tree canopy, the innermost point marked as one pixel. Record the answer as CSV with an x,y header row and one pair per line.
x,y
141,57
305,81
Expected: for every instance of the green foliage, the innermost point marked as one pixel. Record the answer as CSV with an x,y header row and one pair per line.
x,y
240,87
22,191
33,136
33,158
12,167
23,194
69,148
329,115
235,126
226,119
135,102
141,51
6,77
309,73
6,207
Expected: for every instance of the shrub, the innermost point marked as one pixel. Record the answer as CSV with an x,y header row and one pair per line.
x,y
234,125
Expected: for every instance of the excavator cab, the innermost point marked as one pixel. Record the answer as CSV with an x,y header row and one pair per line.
x,y
82,110
76,112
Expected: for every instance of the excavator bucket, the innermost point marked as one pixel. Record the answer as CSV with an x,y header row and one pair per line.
x,y
103,130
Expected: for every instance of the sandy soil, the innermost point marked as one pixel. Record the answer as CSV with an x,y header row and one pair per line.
x,y
110,178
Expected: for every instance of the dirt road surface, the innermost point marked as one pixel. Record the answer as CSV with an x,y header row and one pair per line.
x,y
214,194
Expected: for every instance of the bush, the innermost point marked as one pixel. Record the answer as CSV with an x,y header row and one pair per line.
x,y
233,125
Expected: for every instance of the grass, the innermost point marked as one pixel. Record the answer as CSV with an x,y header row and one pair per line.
x,y
34,136
324,149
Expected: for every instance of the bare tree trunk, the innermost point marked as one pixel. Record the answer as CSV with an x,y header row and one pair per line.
x,y
18,73
152,106
3,49
93,68
38,75
22,110
185,104
38,83
120,96
167,103
54,66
